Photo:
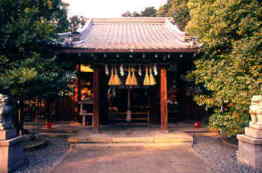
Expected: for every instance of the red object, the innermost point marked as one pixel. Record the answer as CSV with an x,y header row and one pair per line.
x,y
49,125
197,124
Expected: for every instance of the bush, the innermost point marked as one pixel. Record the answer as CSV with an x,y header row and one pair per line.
x,y
229,123
229,66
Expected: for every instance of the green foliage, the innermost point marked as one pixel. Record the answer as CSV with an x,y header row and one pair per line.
x,y
229,124
25,22
27,67
147,12
178,10
229,67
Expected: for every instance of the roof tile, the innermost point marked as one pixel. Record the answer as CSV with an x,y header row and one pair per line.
x,y
134,33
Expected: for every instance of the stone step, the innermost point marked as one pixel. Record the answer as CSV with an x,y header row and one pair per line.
x,y
179,138
123,145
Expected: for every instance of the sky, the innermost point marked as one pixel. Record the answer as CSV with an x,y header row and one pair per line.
x,y
109,8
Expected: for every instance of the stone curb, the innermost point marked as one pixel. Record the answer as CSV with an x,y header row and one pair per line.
x,y
60,160
229,144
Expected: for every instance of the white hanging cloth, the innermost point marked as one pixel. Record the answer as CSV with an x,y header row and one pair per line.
x,y
106,70
121,70
155,70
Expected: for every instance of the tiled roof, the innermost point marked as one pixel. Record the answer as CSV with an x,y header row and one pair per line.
x,y
135,34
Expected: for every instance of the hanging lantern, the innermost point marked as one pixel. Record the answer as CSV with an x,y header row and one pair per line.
x,y
128,79
146,80
151,77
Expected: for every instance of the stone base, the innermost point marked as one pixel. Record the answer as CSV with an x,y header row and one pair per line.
x,y
257,126
12,155
253,132
250,151
7,134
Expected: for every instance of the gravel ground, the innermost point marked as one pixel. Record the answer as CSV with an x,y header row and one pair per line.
x,y
43,160
220,156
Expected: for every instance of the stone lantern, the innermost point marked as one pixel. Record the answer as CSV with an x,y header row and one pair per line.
x,y
250,144
11,151
6,111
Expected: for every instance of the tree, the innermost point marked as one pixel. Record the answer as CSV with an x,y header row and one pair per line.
x,y
178,10
163,10
149,12
229,68
136,14
76,22
27,67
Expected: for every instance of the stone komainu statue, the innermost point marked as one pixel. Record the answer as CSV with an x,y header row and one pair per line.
x,y
255,110
6,112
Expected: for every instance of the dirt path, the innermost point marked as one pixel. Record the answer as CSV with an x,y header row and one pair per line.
x,y
86,159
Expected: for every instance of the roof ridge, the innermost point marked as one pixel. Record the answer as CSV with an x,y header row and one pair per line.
x,y
131,20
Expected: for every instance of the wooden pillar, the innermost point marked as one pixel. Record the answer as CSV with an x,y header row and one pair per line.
x,y
77,95
163,99
96,106
78,89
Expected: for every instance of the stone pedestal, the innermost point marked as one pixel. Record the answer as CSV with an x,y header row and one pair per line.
x,y
250,144
7,134
11,152
250,148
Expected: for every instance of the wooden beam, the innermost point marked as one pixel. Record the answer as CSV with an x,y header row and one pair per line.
x,y
96,106
85,50
163,99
